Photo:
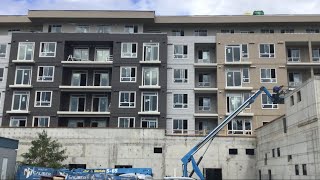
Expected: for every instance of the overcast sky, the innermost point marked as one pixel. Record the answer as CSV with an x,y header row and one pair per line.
x,y
168,7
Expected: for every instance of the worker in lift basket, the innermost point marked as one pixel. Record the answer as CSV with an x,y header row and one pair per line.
x,y
279,93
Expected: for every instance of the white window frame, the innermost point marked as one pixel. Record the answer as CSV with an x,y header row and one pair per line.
x,y
183,130
294,83
203,107
198,32
316,58
242,54
204,60
131,79
34,118
18,118
108,58
99,96
80,48
243,131
180,56
294,58
204,83
242,97
79,72
40,102
129,54
242,78
129,106
143,95
271,79
5,51
183,104
151,46
151,74
273,106
21,93
21,44
105,28
129,118
148,120
270,55
55,26
101,72
78,96
129,28
23,68
1,74
44,76
44,54
183,73
79,28
177,32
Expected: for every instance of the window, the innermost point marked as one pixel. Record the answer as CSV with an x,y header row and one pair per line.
x,y
77,103
23,75
204,56
180,75
54,28
265,159
81,54
149,122
284,123
126,122
233,151
267,50
240,126
267,31
1,74
75,123
25,51
127,99
235,77
234,101
180,51
20,101
101,78
41,121
204,103
298,96
157,150
128,74
227,31
312,30
180,101
316,54
45,74
43,99
278,152
103,29
296,167
204,80
150,51
293,55
304,169
102,54
273,153
295,79
82,29
200,32
17,121
177,32
287,31
100,103
3,50
236,53
268,76
98,123
289,158
129,50
264,123
249,151
149,102
180,126
79,78
291,100
269,174
267,102
131,29
47,49
150,76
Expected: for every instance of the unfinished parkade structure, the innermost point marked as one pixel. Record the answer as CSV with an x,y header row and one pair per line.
x,y
178,74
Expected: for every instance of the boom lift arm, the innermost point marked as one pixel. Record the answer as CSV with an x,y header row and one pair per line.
x,y
189,156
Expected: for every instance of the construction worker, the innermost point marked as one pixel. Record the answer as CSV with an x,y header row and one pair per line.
x,y
279,94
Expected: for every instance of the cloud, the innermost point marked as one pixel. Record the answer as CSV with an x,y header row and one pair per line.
x,y
167,7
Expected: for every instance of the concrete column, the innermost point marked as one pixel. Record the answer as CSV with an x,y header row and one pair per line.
x,y
310,51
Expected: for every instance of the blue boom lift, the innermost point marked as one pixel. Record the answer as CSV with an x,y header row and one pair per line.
x,y
277,98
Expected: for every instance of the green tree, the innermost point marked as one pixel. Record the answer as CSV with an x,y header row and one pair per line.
x,y
45,152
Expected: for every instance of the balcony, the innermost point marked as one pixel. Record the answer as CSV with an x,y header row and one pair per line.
x,y
149,87
82,114
23,61
149,113
205,81
76,62
20,86
70,88
205,55
240,88
18,112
